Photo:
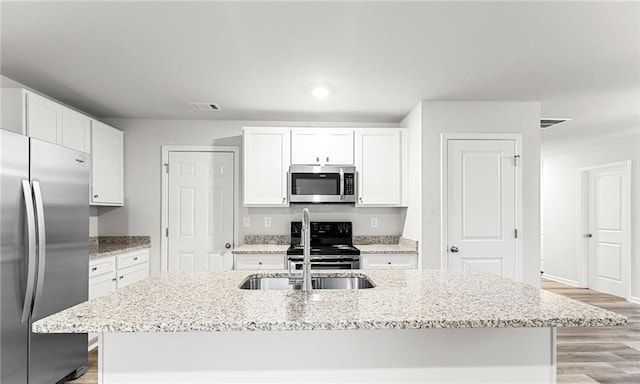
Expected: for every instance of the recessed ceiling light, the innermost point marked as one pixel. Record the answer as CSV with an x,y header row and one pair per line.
x,y
320,91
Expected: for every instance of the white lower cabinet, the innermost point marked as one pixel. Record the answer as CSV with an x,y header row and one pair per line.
x,y
109,273
389,261
259,261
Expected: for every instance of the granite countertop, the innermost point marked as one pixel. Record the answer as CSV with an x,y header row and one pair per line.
x,y
270,244
261,248
102,246
212,301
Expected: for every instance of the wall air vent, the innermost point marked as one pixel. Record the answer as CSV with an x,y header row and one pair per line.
x,y
205,106
548,123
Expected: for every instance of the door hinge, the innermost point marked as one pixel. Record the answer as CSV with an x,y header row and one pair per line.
x,y
166,167
516,159
166,232
515,232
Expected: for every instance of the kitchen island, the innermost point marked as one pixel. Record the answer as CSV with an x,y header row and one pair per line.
x,y
413,326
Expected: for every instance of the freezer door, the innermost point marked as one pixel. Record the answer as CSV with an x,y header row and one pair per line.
x,y
60,179
14,335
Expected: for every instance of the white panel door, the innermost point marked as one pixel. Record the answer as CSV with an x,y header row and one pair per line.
x,y
607,248
481,206
44,119
201,200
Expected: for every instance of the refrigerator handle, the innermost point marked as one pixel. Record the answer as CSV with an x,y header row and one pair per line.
x,y
31,250
42,242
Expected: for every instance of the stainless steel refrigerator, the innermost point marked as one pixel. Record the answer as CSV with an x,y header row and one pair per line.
x,y
44,256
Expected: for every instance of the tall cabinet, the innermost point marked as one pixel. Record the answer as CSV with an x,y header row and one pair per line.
x,y
106,165
266,155
381,158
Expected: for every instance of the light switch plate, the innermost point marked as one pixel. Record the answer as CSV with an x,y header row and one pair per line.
x,y
267,222
374,222
246,222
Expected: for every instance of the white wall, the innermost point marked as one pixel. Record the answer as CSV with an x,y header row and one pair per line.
x,y
561,204
142,189
413,220
482,117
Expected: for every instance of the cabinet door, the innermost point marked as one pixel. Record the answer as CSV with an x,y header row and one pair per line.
x,y
76,130
255,261
266,154
106,164
380,163
306,146
338,146
389,261
130,275
44,119
102,285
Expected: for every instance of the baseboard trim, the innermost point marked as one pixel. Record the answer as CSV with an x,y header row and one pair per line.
x,y
561,280
633,299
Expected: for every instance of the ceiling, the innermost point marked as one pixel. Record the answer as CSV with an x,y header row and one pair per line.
x,y
258,59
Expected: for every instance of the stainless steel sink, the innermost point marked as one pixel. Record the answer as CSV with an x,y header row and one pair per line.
x,y
256,282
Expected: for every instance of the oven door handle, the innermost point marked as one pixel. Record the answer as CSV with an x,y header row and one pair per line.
x,y
341,183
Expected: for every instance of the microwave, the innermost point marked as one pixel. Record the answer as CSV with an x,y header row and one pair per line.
x,y
322,184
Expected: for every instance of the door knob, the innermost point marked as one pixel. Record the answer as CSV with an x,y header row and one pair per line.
x,y
228,245
588,235
454,249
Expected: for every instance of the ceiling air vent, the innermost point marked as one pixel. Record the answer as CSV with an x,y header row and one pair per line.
x,y
548,123
205,106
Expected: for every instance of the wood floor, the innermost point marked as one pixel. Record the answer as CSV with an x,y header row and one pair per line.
x,y
598,355
585,355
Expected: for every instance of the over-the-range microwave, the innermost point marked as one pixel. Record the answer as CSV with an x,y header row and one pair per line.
x,y
322,184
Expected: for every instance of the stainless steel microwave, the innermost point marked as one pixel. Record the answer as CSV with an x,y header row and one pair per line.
x,y
322,184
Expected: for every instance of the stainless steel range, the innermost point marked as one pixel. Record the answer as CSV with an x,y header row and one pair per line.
x,y
331,246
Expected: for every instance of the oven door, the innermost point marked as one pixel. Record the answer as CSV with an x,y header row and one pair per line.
x,y
319,265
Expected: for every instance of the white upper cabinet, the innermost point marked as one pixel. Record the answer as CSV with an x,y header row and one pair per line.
x,y
107,149
35,116
321,146
266,155
44,119
76,130
381,166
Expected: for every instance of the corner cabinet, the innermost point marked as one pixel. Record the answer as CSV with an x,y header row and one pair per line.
x,y
321,146
107,160
266,155
381,166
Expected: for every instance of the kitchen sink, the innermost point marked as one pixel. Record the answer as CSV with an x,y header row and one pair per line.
x,y
256,282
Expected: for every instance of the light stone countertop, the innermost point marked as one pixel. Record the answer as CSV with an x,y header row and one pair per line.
x,y
261,249
401,300
104,246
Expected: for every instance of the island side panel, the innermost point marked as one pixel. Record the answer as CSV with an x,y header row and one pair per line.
x,y
489,355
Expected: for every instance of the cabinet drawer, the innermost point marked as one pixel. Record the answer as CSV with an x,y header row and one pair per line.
x,y
132,274
130,259
390,261
102,266
255,261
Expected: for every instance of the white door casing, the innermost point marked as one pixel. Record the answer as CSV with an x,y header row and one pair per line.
x,y
605,221
481,205
199,208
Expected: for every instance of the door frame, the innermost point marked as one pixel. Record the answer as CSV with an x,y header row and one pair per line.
x,y
444,189
582,262
164,222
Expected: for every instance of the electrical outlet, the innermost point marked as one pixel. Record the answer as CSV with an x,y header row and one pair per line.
x,y
374,222
246,222
267,222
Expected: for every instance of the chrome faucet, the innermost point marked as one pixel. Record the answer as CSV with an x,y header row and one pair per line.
x,y
306,241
